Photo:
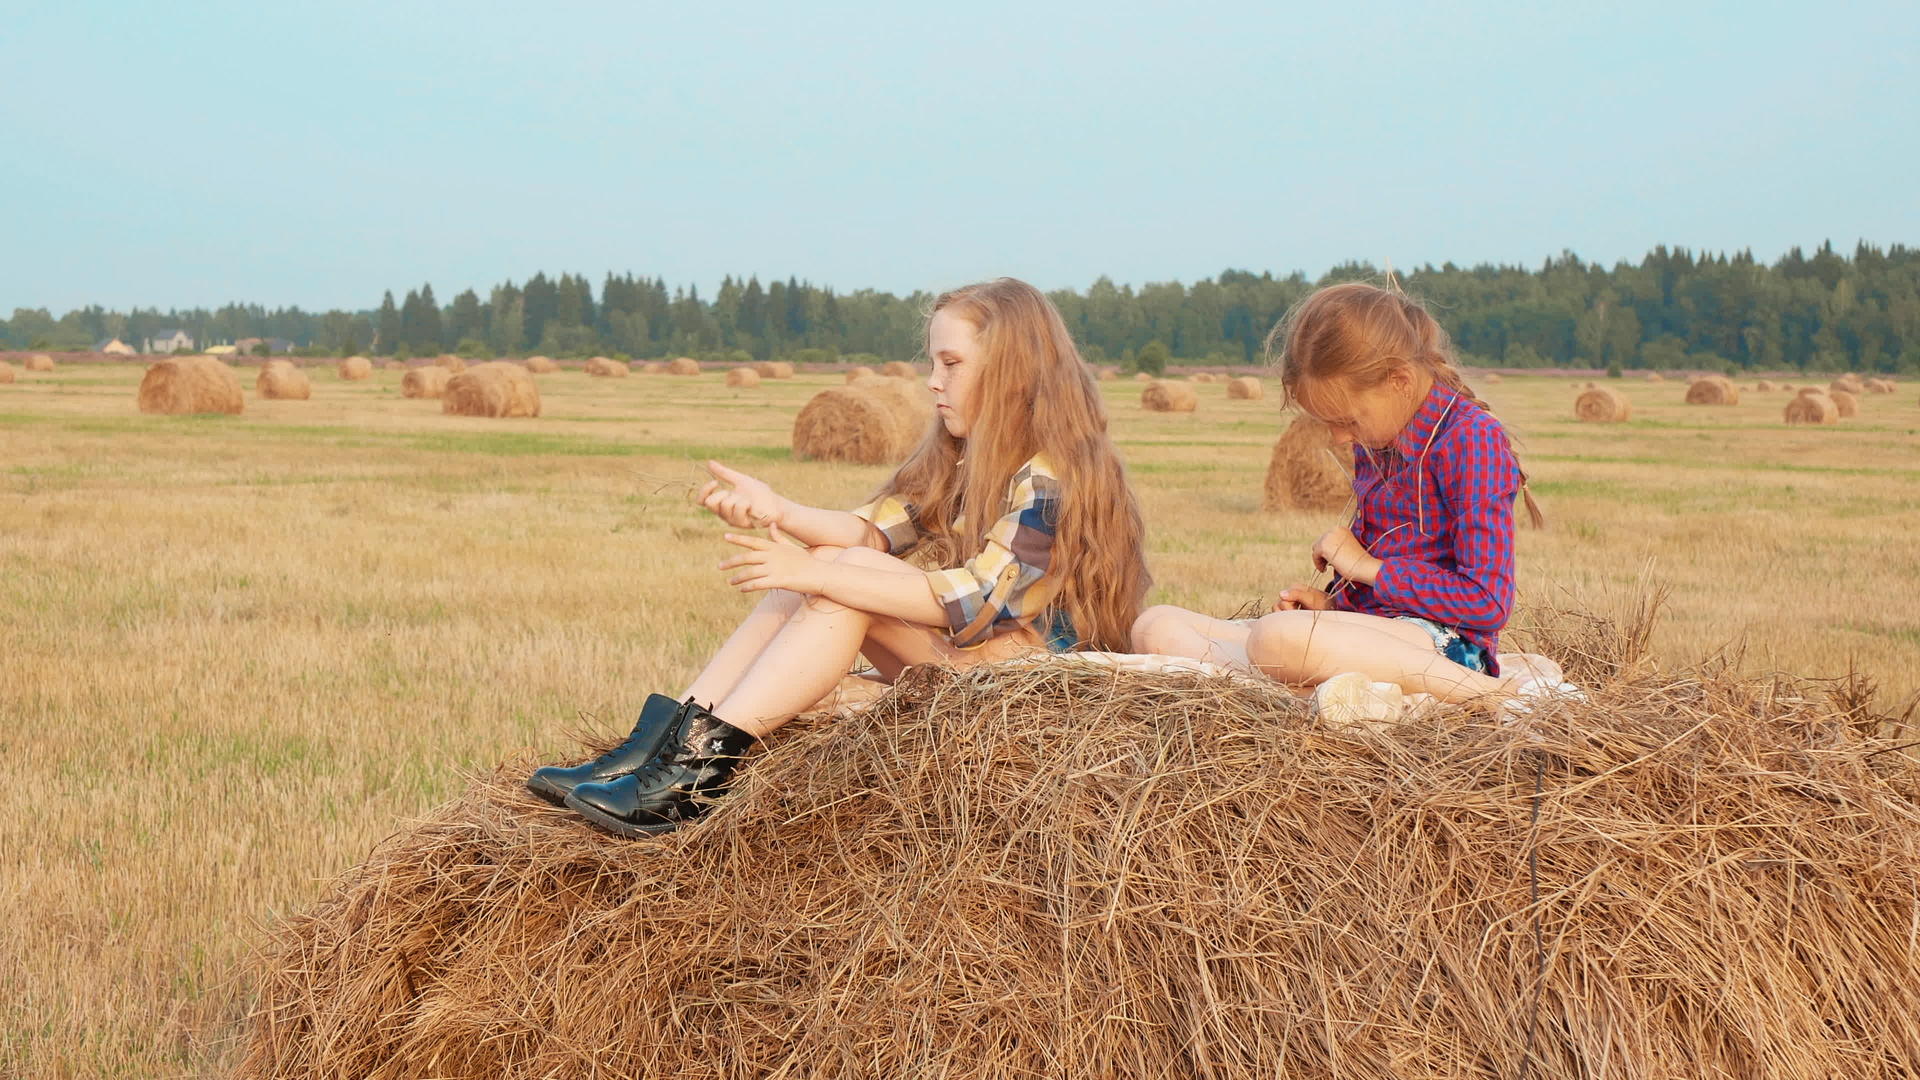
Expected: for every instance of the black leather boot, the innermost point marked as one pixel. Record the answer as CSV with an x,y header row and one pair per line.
x,y
658,719
677,786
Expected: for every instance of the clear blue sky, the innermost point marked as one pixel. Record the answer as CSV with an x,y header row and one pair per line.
x,y
314,154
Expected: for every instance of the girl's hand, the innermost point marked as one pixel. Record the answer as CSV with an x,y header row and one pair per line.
x,y
772,564
1342,551
740,500
1303,597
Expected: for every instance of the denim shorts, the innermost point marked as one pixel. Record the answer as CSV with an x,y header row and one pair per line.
x,y
1448,643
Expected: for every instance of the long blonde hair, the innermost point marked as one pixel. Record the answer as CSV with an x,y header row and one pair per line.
x,y
1360,334
1034,396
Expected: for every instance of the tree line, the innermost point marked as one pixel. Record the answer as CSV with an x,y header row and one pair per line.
x,y
1826,311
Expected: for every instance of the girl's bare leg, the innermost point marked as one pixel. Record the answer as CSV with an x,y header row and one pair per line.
x,y
1175,631
1313,646
745,644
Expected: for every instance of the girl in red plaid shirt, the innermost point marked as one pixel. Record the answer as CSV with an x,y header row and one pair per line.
x,y
1423,580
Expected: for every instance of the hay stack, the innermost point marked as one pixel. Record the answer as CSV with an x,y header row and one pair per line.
x,y
1654,376
858,372
872,421
1105,374
542,365
1812,406
1492,378
652,367
774,369
354,368
743,377
1879,386
1162,396
1713,390
450,362
1764,387
190,384
6,372
497,388
1849,382
280,380
1203,377
425,382
1246,388
38,362
1602,405
1846,404
1141,376
601,367
684,365
393,365
898,369
1308,470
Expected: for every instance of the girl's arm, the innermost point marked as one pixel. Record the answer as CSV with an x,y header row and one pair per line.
x,y
749,503
903,592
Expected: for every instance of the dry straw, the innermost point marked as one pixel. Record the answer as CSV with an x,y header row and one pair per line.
x,y
743,376
280,380
424,382
1308,469
1246,388
38,362
1162,396
1811,406
1849,383
450,362
898,369
354,368
1603,405
1060,871
873,421
497,388
1713,390
542,365
684,365
603,368
190,384
1847,403
858,372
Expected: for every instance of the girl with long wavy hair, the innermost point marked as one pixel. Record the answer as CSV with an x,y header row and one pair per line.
x,y
1015,497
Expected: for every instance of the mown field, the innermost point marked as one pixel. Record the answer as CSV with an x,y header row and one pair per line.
x,y
240,650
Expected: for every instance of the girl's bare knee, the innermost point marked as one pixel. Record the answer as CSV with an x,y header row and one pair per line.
x,y
1277,644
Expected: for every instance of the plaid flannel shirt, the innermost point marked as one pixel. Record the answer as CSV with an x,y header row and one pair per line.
x,y
1016,555
1436,508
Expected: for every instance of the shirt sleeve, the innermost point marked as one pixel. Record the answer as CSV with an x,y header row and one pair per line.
x,y
1479,481
1016,555
894,517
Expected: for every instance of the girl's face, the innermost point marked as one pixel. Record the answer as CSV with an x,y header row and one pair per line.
x,y
954,346
1372,417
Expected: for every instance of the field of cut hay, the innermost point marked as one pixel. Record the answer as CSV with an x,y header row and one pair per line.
x,y
242,650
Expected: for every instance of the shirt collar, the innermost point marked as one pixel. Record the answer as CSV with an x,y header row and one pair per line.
x,y
1419,431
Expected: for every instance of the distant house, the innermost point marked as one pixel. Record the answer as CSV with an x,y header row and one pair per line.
x,y
167,341
113,346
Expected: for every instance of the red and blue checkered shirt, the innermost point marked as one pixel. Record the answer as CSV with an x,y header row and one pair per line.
x,y
1436,508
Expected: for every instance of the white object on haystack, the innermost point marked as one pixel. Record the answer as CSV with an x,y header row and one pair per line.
x,y
1350,699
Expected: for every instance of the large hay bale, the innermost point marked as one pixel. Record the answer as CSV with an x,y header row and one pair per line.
x,y
38,362
6,372
1811,407
190,384
743,377
1849,383
1845,403
1308,470
542,365
1246,388
450,362
1061,870
1602,405
603,368
281,380
858,372
1162,396
497,388
774,369
872,421
898,369
424,382
354,367
1879,386
684,365
1713,390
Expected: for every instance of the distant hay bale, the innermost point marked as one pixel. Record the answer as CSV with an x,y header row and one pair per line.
x,y
899,369
393,365
1879,386
1161,396
1602,405
684,365
1105,374
190,384
1849,382
498,388
774,369
542,365
1848,404
603,368
38,362
858,372
450,362
425,382
1308,470
1764,387
1203,377
652,367
280,380
1142,377
1713,390
1811,407
1654,376
872,421
1492,378
743,377
6,372
1245,388
354,367
1786,386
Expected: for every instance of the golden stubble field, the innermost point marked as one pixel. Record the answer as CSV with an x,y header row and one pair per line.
x,y
240,650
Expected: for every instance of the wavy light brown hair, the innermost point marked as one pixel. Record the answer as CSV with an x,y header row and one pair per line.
x,y
1352,336
1034,396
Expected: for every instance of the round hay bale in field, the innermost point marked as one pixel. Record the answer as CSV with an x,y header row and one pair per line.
x,y
38,362
1602,405
861,371
899,369
1811,407
1308,470
774,369
1141,376
653,367
684,365
1202,377
1491,378
542,365
1654,376
1160,396
1105,374
1846,404
603,368
181,385
1764,386
354,367
1849,382
393,365
425,382
1879,386
1713,390
450,362
6,372
872,421
743,376
280,380
497,388
1246,388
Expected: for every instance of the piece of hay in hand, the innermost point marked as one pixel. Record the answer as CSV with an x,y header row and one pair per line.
x,y
1308,470
280,380
1245,388
542,365
190,384
1713,390
1845,403
873,421
603,368
1811,406
743,376
450,362
1162,396
353,368
497,388
1603,405
424,382
684,365
38,362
